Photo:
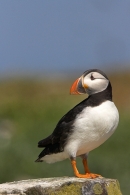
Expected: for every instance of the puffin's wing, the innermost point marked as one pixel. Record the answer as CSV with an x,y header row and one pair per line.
x,y
63,128
65,125
59,132
56,141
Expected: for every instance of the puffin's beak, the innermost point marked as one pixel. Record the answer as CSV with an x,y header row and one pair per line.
x,y
78,87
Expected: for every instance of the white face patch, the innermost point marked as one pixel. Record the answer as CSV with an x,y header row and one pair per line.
x,y
96,82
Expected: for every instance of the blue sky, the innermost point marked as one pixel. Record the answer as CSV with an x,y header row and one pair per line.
x,y
59,36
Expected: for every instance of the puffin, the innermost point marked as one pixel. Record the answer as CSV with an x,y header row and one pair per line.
x,y
86,126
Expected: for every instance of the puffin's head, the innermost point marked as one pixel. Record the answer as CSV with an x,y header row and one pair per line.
x,y
91,82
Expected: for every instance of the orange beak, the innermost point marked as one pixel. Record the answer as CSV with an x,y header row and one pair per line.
x,y
77,87
74,88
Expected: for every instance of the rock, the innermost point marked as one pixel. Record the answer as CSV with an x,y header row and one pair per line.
x,y
62,186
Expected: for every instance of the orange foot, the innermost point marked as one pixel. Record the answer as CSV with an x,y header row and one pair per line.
x,y
87,175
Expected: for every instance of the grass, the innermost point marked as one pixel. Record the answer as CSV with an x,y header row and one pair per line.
x,y
29,111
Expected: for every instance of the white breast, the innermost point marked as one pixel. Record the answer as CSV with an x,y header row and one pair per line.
x,y
92,127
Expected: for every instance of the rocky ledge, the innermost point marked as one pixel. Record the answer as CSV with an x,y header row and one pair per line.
x,y
61,186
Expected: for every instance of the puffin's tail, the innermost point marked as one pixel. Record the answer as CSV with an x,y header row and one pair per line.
x,y
49,149
38,160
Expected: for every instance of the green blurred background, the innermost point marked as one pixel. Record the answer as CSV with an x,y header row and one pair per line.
x,y
44,47
29,110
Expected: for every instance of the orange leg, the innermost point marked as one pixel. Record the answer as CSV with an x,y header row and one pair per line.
x,y
87,174
85,163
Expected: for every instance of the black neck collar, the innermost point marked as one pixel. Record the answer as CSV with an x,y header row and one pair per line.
x,y
98,98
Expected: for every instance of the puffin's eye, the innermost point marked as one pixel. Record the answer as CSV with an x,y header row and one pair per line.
x,y
92,77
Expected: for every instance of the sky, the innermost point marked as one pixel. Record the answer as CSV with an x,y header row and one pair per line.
x,y
63,36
